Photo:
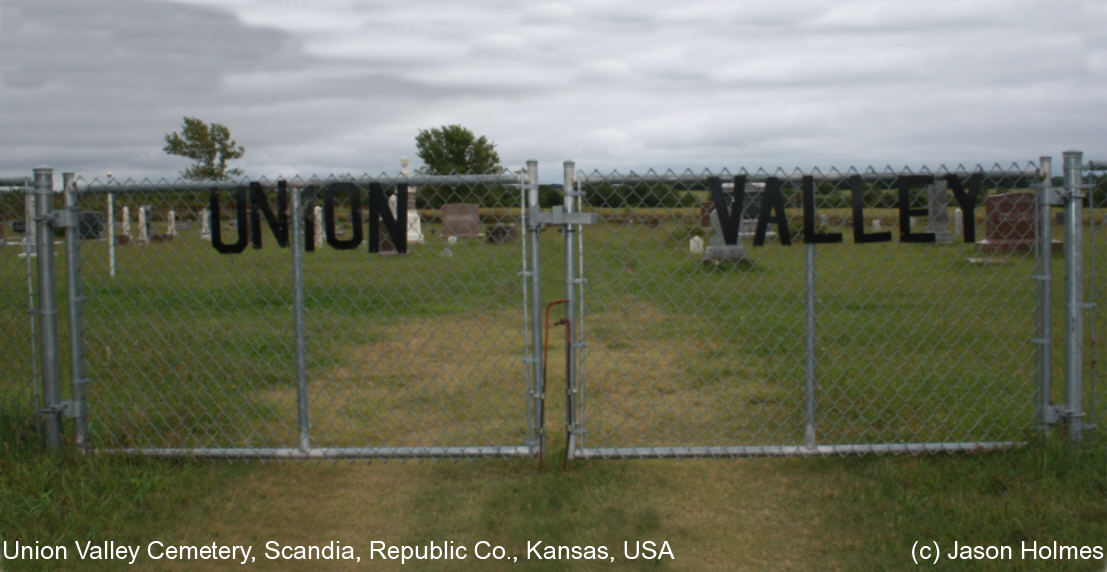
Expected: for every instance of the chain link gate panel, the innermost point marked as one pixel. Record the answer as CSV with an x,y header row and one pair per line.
x,y
18,352
816,313
220,323
1095,180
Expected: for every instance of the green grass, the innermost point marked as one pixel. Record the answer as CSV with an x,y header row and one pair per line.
x,y
190,348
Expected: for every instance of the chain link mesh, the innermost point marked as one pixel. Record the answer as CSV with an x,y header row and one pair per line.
x,y
894,311
1096,181
18,353
192,349
917,344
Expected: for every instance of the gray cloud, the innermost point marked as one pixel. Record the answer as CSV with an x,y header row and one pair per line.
x,y
314,87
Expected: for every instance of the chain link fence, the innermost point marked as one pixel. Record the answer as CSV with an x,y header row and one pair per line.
x,y
383,321
1096,180
705,313
18,351
839,312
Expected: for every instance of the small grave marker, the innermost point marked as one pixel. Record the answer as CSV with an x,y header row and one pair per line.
x,y
461,220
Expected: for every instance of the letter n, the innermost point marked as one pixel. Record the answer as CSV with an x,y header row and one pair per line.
x,y
396,226
260,206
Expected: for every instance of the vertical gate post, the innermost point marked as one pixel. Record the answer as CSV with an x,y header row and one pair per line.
x,y
536,405
809,346
1074,295
571,387
47,307
297,239
76,304
1047,415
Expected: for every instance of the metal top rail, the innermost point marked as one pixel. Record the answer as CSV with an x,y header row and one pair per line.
x,y
15,182
146,186
869,174
1097,165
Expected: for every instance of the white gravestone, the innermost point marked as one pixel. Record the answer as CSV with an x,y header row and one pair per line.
x,y
695,245
171,227
414,221
320,233
205,224
125,222
958,222
144,224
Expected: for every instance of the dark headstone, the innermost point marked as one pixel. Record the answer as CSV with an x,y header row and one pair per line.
x,y
501,233
19,226
461,220
1010,224
91,225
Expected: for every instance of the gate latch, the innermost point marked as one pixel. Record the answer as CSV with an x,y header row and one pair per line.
x,y
558,216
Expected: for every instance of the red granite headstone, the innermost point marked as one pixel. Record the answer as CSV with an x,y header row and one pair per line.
x,y
1011,224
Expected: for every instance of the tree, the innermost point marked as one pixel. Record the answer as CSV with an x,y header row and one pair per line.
x,y
453,149
209,147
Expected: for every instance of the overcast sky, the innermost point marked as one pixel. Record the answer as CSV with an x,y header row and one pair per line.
x,y
315,87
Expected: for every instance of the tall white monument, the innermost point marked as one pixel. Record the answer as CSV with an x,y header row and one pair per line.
x,y
414,221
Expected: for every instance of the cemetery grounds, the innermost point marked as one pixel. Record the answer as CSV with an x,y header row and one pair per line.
x,y
816,513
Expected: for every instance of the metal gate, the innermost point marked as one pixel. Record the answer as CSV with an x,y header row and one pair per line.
x,y
847,312
706,314
296,318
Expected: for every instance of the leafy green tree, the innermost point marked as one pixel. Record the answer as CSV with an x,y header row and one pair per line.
x,y
453,149
209,147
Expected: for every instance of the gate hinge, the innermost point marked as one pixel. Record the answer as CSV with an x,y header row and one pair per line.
x,y
1054,196
1055,414
67,409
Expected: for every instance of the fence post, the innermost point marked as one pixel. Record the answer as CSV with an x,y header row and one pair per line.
x,y
297,239
51,411
1074,296
809,346
1046,413
569,191
76,304
538,382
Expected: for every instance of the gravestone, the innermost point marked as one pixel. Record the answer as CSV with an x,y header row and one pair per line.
x,y
937,214
751,208
1011,224
718,250
125,222
205,224
502,233
317,219
171,227
144,224
695,245
414,221
461,220
90,225
387,247
958,222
